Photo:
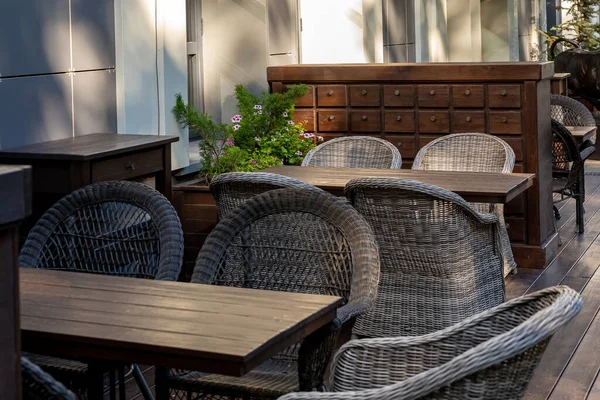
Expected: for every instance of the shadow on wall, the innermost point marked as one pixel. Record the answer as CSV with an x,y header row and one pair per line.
x,y
36,91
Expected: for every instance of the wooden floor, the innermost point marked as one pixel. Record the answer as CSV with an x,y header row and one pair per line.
x,y
570,367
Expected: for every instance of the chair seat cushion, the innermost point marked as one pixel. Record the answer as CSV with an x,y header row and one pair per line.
x,y
271,379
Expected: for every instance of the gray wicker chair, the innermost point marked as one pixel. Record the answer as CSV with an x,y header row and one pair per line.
x,y
38,385
490,356
570,112
232,189
474,152
300,240
439,258
111,228
354,152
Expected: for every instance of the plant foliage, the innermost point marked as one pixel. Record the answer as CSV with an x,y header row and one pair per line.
x,y
579,27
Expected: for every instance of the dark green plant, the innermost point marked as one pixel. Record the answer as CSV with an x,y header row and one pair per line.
x,y
579,27
262,135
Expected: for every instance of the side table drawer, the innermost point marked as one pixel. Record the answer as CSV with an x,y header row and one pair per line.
x,y
128,166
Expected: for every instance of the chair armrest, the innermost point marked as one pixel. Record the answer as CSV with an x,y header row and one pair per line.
x,y
586,151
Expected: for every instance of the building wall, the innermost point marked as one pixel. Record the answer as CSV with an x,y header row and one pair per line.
x,y
57,69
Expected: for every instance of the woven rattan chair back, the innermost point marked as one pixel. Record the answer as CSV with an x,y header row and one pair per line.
x,y
570,112
354,152
488,356
439,258
476,152
38,385
566,158
232,189
110,228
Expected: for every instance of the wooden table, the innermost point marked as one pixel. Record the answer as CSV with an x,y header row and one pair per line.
x,y
583,133
472,186
213,329
15,185
559,83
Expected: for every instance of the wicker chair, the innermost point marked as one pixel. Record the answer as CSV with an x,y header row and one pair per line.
x,y
568,173
474,152
293,240
439,258
112,228
232,189
354,152
570,112
38,385
489,356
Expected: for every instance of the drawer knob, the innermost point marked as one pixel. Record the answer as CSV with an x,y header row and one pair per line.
x,y
432,119
432,92
504,119
363,92
503,93
399,118
399,144
396,92
131,166
331,117
330,93
467,92
364,117
468,119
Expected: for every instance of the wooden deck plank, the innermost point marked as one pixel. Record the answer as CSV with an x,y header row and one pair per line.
x,y
594,393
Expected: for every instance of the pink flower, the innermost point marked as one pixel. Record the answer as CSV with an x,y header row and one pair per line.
x,y
258,107
273,139
309,135
287,129
259,112
253,161
285,114
236,118
256,138
320,138
229,143
298,153
236,127
291,122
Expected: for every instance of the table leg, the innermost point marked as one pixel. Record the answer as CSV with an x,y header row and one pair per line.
x,y
95,385
160,381
164,182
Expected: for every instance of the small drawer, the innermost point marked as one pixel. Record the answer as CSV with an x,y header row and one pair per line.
x,y
404,143
306,116
366,96
467,96
424,139
507,122
469,121
333,121
434,121
504,96
433,95
127,167
365,121
400,121
331,96
398,96
308,100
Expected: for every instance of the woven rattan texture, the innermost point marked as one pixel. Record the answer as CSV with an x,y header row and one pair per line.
x,y
488,356
295,240
473,152
570,112
38,385
354,152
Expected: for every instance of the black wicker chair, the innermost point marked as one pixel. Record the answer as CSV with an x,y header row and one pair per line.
x,y
568,173
38,385
113,228
293,240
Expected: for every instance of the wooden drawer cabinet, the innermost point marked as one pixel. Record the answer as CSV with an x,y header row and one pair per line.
x,y
434,122
306,116
504,96
308,100
365,121
433,95
331,96
128,166
517,145
365,96
516,228
400,121
404,143
467,96
333,121
398,96
469,121
505,122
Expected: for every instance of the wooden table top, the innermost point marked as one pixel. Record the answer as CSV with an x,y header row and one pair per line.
x,y
86,147
213,329
472,186
582,133
560,75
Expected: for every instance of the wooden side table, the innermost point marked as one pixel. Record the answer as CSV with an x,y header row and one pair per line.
x,y
15,184
62,166
559,83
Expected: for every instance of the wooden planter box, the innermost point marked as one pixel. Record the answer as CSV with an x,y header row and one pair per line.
x,y
197,211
